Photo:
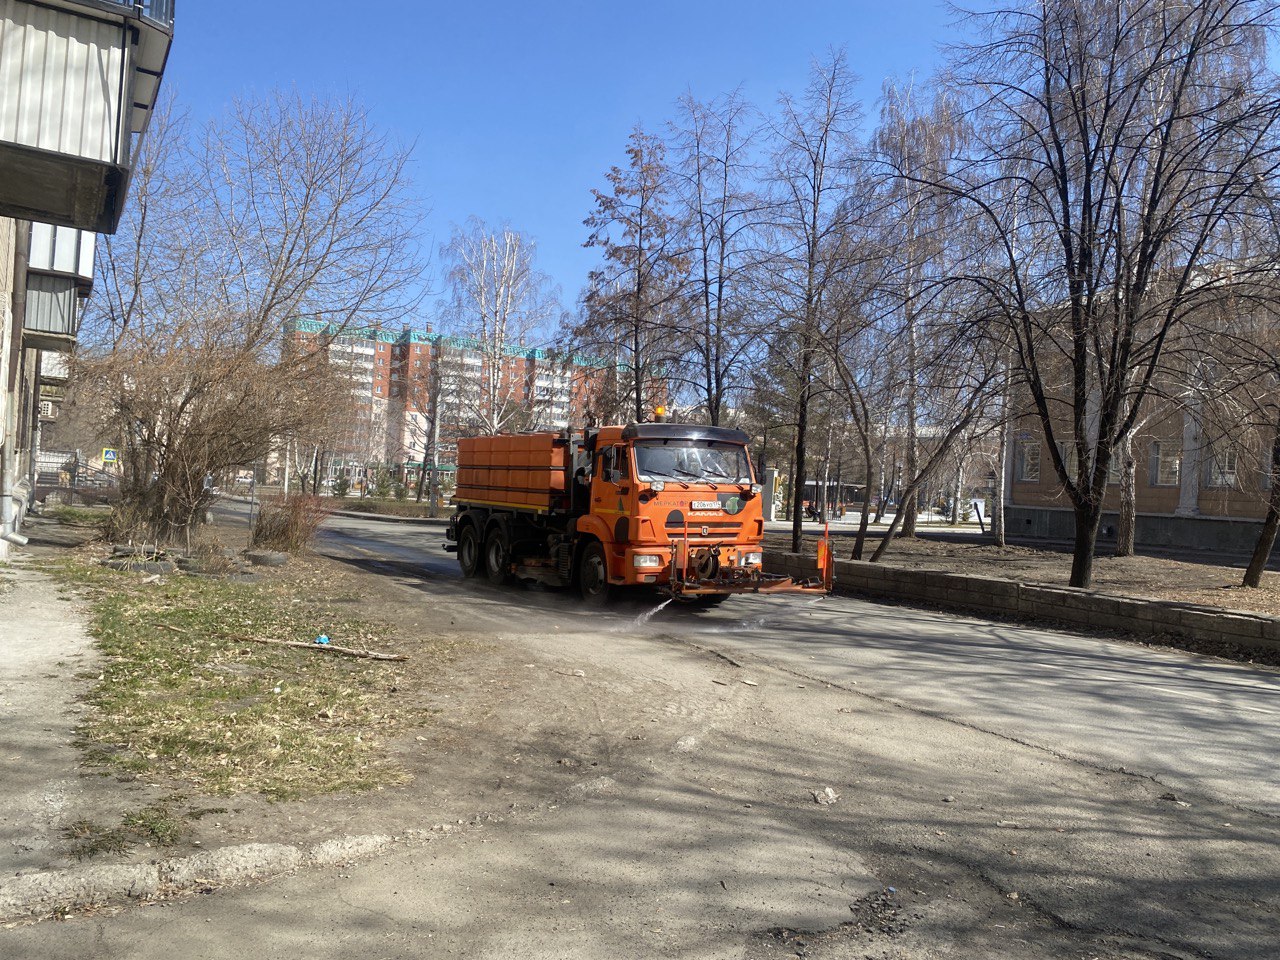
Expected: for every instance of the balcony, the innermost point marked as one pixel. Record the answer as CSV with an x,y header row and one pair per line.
x,y
78,84
59,277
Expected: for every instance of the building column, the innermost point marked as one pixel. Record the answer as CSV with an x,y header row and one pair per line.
x,y
1190,467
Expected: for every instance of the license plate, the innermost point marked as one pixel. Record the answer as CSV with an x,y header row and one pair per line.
x,y
705,505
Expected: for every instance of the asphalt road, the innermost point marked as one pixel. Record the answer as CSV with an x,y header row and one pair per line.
x,y
998,792
1190,722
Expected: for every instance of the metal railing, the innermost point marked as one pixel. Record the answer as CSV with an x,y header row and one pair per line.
x,y
161,11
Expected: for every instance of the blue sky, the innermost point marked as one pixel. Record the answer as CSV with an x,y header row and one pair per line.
x,y
517,109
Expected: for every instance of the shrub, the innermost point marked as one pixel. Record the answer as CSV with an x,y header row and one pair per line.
x,y
399,491
341,486
288,523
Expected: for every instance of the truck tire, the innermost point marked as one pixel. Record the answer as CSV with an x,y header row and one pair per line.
x,y
593,575
469,550
497,557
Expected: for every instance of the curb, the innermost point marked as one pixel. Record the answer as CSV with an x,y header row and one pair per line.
x,y
391,518
35,896
1235,634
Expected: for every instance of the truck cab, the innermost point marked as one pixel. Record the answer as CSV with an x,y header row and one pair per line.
x,y
673,502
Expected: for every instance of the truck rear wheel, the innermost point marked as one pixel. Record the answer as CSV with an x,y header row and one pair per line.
x,y
593,575
469,550
497,557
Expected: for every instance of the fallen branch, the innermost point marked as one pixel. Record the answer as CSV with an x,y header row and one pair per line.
x,y
330,648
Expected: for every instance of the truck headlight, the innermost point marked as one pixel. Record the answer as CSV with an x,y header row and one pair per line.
x,y
657,486
648,560
751,559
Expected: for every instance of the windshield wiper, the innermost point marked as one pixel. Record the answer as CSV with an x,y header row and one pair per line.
x,y
661,473
698,477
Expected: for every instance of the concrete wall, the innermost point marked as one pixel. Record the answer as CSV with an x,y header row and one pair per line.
x,y
1226,534
1033,601
8,234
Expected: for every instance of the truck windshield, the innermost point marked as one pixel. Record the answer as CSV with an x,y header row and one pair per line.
x,y
692,461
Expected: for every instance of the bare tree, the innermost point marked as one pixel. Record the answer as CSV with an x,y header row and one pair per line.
x,y
1119,147
713,143
914,141
286,209
633,300
813,172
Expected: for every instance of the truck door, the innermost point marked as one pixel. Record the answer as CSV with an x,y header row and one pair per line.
x,y
610,488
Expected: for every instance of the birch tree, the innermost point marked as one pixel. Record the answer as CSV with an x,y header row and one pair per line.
x,y
501,305
914,141
713,143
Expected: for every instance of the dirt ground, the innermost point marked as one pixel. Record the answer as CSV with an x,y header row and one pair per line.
x,y
479,725
1209,580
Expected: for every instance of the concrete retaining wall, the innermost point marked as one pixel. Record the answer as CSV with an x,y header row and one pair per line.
x,y
1010,598
1224,534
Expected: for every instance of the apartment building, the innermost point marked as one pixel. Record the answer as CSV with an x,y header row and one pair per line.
x,y
78,84
415,392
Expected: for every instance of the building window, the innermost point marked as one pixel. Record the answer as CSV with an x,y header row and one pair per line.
x,y
1115,466
1222,467
1166,463
1067,450
1026,461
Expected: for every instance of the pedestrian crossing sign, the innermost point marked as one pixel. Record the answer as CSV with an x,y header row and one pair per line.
x,y
110,455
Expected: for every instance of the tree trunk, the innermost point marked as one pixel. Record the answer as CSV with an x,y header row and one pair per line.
x,y
422,479
996,510
880,486
1127,525
797,485
911,492
1088,519
1267,536
955,495
824,499
860,541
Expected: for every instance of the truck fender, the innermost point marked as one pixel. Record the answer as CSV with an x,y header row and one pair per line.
x,y
595,528
495,521
468,517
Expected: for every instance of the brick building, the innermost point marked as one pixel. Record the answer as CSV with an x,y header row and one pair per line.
x,y
1195,485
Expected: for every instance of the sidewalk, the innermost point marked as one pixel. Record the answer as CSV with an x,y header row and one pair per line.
x,y
45,650
52,800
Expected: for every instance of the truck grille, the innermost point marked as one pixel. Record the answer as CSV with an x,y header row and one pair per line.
x,y
715,528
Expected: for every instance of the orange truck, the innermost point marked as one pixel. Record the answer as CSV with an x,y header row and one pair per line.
x,y
666,505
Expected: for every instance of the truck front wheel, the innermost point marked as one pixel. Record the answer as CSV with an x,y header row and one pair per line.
x,y
469,550
593,575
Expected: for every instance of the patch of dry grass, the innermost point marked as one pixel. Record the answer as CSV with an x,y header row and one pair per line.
x,y
187,693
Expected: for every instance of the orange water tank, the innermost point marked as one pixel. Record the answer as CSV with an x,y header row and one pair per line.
x,y
525,471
